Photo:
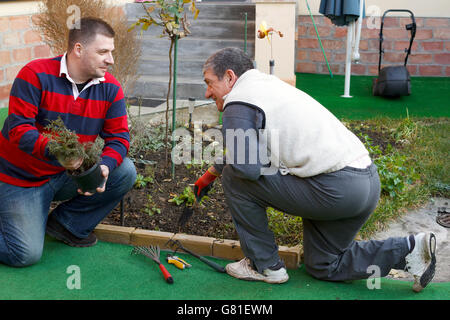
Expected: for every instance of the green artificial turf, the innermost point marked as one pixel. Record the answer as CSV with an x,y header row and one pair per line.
x,y
3,115
109,271
430,97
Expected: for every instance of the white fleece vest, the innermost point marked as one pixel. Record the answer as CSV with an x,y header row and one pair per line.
x,y
304,138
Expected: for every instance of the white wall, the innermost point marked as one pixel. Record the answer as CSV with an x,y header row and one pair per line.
x,y
18,8
283,48
21,7
420,8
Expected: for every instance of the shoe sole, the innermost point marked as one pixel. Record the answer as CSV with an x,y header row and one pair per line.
x,y
276,281
58,236
263,278
428,275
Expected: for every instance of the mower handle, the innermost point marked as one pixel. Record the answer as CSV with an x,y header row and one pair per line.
x,y
411,27
398,10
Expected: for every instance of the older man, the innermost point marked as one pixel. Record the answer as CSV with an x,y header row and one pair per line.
x,y
323,173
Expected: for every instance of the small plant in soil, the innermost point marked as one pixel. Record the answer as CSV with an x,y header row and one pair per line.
x,y
64,144
187,197
142,181
150,207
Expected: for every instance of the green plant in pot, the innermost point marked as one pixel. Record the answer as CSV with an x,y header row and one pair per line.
x,y
65,146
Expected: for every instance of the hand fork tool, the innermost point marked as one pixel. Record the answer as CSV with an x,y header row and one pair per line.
x,y
177,244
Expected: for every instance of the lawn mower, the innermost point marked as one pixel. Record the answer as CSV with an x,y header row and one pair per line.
x,y
394,81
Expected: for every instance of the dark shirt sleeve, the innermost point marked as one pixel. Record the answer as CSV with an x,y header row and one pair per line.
x,y
115,132
240,128
20,125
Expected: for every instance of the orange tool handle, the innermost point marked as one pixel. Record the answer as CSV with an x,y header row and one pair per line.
x,y
166,274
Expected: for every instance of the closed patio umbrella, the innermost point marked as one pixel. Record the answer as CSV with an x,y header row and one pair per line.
x,y
340,12
346,13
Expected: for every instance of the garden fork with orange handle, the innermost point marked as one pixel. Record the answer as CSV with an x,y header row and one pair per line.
x,y
153,252
201,189
176,244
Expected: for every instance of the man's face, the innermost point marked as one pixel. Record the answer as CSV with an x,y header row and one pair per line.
x,y
97,56
216,88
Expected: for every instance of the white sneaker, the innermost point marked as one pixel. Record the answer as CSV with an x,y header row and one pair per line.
x,y
275,276
244,271
421,262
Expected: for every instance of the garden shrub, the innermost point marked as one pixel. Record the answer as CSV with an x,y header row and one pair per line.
x,y
64,144
393,169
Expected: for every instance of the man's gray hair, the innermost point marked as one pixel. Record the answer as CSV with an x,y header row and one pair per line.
x,y
228,58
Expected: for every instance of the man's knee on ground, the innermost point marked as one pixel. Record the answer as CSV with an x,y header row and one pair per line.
x,y
23,256
321,270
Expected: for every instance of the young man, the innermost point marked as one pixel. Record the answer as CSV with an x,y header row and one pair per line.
x,y
316,169
76,87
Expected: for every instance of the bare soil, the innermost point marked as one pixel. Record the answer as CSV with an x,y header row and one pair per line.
x,y
211,218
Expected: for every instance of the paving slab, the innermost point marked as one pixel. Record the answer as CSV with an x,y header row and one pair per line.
x,y
418,220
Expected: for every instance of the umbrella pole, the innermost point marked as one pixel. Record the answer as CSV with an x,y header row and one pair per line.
x,y
348,60
358,25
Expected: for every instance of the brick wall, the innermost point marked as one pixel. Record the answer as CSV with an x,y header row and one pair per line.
x,y
19,44
430,52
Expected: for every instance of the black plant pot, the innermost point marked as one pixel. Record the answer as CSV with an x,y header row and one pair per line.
x,y
89,180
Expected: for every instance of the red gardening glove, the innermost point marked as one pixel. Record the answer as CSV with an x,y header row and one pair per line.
x,y
204,184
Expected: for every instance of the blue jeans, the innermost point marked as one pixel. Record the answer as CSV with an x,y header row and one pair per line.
x,y
24,212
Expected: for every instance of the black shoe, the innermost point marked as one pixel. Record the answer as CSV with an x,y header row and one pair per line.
x,y
56,230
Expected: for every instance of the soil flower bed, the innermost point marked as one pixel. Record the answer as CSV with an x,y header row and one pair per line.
x,y
151,205
148,207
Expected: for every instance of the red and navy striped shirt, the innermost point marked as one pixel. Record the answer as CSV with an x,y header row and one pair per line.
x,y
40,94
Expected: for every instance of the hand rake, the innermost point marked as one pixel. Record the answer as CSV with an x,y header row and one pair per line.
x,y
153,252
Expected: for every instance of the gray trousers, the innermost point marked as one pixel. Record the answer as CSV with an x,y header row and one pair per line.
x,y
333,207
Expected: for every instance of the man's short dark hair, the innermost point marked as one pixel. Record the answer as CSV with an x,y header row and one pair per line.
x,y
88,28
228,58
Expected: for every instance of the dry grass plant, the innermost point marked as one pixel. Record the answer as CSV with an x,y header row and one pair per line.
x,y
52,24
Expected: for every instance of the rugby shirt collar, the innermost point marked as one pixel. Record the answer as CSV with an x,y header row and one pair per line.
x,y
64,71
